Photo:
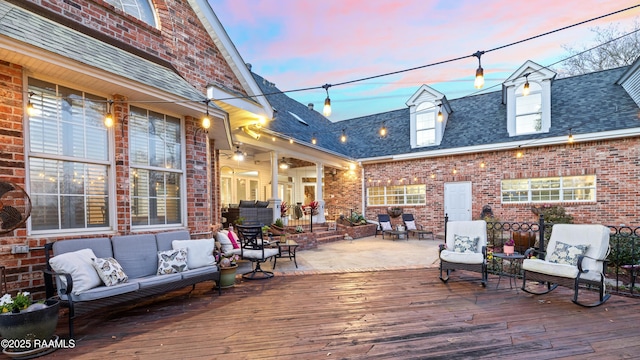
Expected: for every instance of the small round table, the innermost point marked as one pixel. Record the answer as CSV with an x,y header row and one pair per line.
x,y
513,270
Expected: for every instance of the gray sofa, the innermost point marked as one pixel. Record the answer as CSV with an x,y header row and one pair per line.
x,y
138,257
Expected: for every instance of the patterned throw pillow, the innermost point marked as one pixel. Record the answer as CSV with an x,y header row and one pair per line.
x,y
465,244
411,225
110,271
172,261
386,225
567,253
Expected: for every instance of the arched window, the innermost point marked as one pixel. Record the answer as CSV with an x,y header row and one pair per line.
x,y
141,9
529,109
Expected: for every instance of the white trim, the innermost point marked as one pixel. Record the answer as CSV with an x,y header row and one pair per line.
x,y
556,140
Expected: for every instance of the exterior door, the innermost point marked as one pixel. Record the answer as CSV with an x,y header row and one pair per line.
x,y
457,201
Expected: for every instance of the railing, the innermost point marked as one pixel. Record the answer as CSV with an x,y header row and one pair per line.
x,y
623,260
300,215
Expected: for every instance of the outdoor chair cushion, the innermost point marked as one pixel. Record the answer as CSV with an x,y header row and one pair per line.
x,y
411,225
386,226
461,257
257,254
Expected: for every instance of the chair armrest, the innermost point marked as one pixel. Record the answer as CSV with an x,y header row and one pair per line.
x,y
582,257
533,251
442,247
68,278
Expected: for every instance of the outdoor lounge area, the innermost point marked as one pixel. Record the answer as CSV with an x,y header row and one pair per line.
x,y
396,314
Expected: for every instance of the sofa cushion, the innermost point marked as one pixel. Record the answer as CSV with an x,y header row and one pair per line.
x,y
462,257
102,292
164,239
109,271
155,280
199,252
79,265
247,204
138,254
262,204
191,273
172,261
101,246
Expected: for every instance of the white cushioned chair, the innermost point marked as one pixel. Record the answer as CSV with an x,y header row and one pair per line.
x,y
576,255
465,248
255,249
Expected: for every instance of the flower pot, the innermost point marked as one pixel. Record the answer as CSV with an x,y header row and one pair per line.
x,y
285,220
228,276
29,325
508,249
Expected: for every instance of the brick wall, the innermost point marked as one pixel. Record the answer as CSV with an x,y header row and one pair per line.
x,y
615,164
343,190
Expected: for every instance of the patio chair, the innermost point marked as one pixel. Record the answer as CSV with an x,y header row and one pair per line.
x,y
576,256
412,227
384,224
465,248
255,249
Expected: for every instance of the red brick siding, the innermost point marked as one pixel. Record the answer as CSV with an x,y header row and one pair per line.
x,y
615,164
344,190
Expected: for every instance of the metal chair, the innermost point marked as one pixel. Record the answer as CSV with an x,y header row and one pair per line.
x,y
412,227
383,218
465,248
255,249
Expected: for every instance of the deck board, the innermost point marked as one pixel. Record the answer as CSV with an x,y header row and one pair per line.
x,y
393,314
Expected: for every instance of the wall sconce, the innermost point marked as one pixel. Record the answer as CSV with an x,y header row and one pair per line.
x,y
108,118
206,120
30,109
479,82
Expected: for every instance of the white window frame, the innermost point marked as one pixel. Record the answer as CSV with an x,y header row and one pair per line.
x,y
107,162
529,188
536,91
135,8
133,166
428,110
386,195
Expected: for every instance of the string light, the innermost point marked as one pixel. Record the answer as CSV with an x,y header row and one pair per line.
x,y
440,117
343,137
313,139
326,111
570,139
482,164
383,130
525,88
291,141
519,153
479,82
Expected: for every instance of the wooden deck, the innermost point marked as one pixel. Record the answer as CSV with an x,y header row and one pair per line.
x,y
395,314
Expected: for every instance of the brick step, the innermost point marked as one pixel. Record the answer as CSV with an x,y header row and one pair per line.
x,y
329,238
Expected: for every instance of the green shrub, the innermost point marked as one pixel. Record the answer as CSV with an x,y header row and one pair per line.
x,y
625,250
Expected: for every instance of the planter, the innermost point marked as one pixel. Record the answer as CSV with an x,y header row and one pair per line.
x,y
228,276
508,249
394,213
30,325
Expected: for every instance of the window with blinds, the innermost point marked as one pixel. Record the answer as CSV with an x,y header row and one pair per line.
x,y
68,159
155,153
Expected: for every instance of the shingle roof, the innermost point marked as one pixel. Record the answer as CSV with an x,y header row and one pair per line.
x,y
45,34
585,104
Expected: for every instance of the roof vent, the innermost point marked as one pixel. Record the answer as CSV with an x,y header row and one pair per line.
x,y
249,66
310,106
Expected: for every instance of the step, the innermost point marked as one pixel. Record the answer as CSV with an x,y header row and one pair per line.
x,y
329,238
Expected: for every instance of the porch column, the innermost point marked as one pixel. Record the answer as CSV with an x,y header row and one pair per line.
x,y
274,202
319,195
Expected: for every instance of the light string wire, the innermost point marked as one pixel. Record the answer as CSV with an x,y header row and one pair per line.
x,y
252,97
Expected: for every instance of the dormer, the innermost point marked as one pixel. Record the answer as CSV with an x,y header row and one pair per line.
x,y
424,108
528,110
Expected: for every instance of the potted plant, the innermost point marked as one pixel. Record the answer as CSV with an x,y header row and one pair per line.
x,y
394,212
509,247
284,208
313,206
22,319
228,265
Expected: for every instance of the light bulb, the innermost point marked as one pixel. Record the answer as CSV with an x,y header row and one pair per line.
x,y
326,111
525,89
206,122
108,120
479,78
440,117
383,131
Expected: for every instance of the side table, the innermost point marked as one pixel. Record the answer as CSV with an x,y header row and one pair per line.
x,y
396,233
286,248
513,269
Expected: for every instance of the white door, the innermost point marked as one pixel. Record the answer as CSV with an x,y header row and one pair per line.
x,y
457,201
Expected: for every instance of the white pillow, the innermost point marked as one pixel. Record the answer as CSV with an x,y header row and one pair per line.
x,y
411,225
225,244
386,225
199,252
79,264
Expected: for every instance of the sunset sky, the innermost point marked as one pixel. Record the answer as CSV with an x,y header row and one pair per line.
x,y
307,43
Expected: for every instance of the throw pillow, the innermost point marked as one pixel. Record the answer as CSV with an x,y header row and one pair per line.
x,y
232,237
199,252
110,271
79,265
568,254
465,244
386,225
223,239
411,225
172,261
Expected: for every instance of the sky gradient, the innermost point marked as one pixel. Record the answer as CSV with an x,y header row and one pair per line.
x,y
307,43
